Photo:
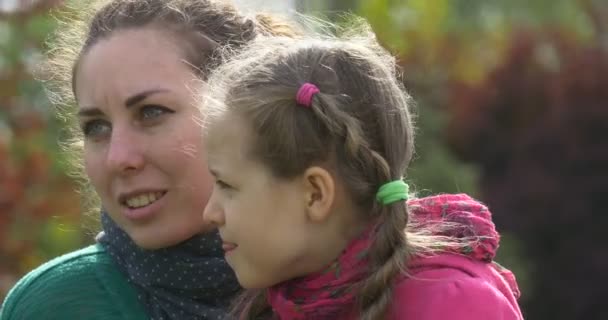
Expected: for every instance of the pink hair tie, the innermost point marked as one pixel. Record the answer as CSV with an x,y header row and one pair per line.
x,y
305,94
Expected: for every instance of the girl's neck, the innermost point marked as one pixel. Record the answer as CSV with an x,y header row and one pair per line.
x,y
327,293
344,224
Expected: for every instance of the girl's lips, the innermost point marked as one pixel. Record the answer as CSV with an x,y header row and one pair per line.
x,y
229,246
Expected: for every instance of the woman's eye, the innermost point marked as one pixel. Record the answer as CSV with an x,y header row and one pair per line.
x,y
96,129
151,111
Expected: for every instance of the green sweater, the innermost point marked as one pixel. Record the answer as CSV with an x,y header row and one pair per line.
x,y
84,284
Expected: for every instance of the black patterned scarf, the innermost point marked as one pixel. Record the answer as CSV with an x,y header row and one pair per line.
x,y
188,281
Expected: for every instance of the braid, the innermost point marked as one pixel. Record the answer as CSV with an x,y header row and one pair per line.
x,y
388,252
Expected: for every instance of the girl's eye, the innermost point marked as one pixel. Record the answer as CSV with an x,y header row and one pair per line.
x,y
222,185
152,111
96,129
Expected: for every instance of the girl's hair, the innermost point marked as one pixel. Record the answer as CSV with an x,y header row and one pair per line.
x,y
200,26
359,125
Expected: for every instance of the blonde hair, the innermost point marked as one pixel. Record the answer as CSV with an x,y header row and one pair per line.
x,y
201,26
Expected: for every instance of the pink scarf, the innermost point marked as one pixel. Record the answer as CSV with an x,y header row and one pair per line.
x,y
324,295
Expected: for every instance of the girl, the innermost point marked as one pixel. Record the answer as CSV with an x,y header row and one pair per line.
x,y
126,72
308,141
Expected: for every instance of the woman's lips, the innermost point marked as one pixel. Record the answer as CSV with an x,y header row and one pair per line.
x,y
145,212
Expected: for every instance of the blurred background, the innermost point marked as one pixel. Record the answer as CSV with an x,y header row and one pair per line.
x,y
512,100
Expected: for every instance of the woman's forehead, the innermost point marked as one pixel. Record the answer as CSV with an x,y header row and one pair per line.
x,y
130,62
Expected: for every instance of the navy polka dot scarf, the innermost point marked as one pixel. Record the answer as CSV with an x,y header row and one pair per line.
x,y
187,281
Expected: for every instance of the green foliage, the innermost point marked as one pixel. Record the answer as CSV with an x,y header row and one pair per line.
x,y
40,209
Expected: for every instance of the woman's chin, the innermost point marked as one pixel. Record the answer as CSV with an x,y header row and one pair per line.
x,y
152,239
150,244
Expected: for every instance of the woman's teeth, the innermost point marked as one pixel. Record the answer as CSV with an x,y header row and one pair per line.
x,y
143,200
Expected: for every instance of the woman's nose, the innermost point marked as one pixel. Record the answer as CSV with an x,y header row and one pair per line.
x,y
124,153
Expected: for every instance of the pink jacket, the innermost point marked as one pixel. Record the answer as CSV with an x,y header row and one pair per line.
x,y
460,285
452,287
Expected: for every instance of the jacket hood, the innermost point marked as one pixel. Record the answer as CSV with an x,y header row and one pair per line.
x,y
462,217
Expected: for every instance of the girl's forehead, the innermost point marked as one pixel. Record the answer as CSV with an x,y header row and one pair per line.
x,y
228,135
228,147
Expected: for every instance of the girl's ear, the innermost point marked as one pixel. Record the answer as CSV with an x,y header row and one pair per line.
x,y
320,190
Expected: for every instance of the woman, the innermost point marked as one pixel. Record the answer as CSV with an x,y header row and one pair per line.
x,y
130,71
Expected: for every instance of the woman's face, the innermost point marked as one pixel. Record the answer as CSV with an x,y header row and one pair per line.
x,y
143,146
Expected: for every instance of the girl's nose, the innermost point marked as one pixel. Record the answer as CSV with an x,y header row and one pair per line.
x,y
213,213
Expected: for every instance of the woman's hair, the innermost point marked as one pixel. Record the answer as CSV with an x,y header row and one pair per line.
x,y
199,27
359,125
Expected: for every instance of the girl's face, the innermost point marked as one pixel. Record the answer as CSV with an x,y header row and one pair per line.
x,y
143,146
263,220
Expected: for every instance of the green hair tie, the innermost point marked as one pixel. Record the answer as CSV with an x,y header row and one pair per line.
x,y
393,191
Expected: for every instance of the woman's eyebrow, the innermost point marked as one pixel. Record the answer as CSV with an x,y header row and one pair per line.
x,y
136,98
129,102
89,112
